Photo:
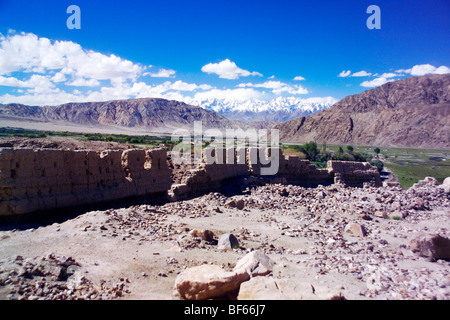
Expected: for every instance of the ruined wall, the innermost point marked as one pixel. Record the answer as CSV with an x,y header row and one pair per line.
x,y
354,174
217,165
250,161
32,180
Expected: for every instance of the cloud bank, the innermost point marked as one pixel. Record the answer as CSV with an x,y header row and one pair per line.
x,y
39,71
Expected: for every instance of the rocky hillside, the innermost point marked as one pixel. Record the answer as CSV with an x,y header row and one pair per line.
x,y
148,113
412,112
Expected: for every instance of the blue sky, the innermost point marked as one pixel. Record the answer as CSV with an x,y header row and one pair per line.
x,y
242,49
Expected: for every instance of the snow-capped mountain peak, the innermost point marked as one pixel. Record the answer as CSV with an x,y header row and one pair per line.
x,y
278,109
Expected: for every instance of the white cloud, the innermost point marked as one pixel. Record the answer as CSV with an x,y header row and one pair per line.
x,y
348,73
37,83
26,52
59,77
344,74
271,77
403,71
41,71
423,69
321,100
277,87
52,98
183,86
442,70
389,75
80,82
242,94
162,73
43,91
299,78
227,69
375,82
361,74
12,82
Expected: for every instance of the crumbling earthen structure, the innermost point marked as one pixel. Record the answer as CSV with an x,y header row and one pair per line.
x,y
245,162
36,180
32,180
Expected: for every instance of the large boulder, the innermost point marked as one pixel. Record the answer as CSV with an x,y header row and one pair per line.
x,y
432,246
212,282
208,282
261,288
255,263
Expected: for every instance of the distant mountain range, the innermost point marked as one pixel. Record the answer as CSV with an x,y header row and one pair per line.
x,y
411,112
279,109
165,115
146,114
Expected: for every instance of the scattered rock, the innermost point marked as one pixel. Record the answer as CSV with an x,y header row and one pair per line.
x,y
395,215
320,195
255,263
391,184
428,181
206,235
356,229
240,204
230,204
51,278
228,240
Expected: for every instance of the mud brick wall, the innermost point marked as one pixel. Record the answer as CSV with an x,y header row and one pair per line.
x,y
354,174
207,177
36,180
33,180
217,165
302,172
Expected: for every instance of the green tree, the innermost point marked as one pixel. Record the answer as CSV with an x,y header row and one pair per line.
x,y
311,150
350,149
377,163
377,151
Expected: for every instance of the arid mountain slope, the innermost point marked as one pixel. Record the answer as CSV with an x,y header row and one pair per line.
x,y
146,113
136,113
412,112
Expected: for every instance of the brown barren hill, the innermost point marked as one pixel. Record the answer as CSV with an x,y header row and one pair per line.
x,y
412,112
136,114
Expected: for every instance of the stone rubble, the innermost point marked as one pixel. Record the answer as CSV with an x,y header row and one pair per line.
x,y
308,239
53,278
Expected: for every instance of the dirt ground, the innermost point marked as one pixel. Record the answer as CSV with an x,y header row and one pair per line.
x,y
137,252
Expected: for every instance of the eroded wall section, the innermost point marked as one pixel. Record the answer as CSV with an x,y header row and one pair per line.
x,y
32,180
